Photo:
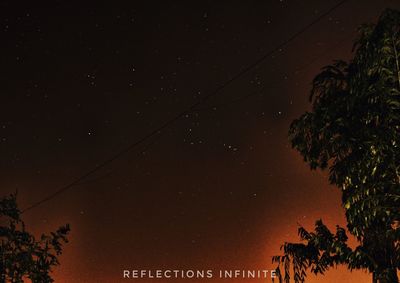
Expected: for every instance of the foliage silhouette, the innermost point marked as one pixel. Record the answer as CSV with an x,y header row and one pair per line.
x,y
353,129
23,257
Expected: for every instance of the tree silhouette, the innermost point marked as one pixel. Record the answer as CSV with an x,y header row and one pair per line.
x,y
353,129
21,255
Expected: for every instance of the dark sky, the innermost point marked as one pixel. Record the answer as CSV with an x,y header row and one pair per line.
x,y
220,188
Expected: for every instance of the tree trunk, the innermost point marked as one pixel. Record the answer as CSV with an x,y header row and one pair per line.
x,y
387,276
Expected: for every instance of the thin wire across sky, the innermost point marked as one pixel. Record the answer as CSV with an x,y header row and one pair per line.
x,y
190,109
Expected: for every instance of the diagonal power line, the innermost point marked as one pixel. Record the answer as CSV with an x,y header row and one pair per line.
x,y
264,87
183,113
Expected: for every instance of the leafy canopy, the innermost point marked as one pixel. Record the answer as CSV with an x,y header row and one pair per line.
x,y
22,256
353,130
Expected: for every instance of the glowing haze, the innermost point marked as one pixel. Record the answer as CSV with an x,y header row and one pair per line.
x,y
221,188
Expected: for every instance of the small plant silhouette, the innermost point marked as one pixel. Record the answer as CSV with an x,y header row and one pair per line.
x,y
22,257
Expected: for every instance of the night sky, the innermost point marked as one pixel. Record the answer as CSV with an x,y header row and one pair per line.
x,y
221,187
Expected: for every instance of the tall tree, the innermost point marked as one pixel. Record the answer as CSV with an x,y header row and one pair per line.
x,y
353,129
21,255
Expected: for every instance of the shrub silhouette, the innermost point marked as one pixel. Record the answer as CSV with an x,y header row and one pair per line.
x,y
22,257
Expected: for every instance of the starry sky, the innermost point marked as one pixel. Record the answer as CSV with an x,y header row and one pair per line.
x,y
221,187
